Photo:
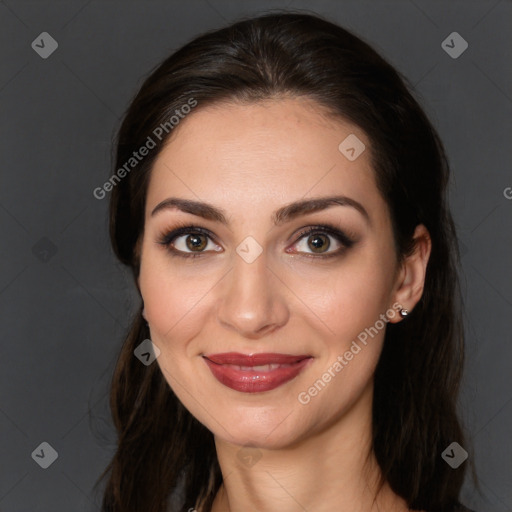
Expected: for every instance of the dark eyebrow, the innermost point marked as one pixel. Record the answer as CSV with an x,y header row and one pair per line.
x,y
284,214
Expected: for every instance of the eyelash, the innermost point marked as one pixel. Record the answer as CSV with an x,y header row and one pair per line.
x,y
168,237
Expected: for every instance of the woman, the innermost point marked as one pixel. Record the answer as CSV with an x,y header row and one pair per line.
x,y
281,200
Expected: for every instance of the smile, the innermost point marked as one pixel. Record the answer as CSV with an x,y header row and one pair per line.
x,y
255,373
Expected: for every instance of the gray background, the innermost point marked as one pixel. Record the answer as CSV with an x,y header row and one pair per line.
x,y
65,303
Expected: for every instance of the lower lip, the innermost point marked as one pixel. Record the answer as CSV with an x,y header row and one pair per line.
x,y
249,381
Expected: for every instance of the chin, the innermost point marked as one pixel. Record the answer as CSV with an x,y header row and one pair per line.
x,y
265,428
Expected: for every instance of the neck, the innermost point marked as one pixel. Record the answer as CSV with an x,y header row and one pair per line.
x,y
333,469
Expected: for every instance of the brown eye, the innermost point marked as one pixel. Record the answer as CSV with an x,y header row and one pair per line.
x,y
322,241
196,242
189,241
319,243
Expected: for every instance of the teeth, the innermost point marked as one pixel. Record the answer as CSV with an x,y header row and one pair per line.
x,y
259,368
262,368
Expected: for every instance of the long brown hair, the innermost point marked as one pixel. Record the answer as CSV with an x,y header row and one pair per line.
x,y
161,447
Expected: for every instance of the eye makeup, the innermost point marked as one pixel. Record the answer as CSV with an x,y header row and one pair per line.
x,y
346,240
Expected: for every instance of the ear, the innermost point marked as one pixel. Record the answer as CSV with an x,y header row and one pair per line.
x,y
410,280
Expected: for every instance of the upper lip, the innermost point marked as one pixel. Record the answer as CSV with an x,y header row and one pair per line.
x,y
236,358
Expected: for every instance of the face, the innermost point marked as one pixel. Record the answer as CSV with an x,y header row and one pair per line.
x,y
269,304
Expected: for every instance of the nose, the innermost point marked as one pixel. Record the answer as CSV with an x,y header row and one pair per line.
x,y
253,300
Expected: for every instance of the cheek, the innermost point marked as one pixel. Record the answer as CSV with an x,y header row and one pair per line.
x,y
175,309
350,298
175,304
350,302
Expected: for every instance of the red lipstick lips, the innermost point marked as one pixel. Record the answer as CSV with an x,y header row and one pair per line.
x,y
257,372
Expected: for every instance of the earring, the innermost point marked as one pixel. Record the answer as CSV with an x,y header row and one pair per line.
x,y
404,313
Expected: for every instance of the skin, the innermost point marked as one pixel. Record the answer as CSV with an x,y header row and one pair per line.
x,y
251,160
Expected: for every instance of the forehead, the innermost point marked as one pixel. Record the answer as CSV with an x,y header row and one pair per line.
x,y
273,151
